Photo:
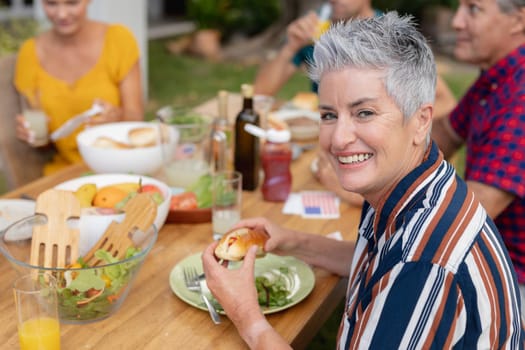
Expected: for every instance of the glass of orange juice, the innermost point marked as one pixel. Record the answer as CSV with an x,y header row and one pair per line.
x,y
37,312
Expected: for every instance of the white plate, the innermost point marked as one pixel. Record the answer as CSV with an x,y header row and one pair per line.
x,y
300,279
299,132
12,210
291,113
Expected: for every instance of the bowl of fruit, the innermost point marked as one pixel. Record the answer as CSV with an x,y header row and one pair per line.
x,y
103,196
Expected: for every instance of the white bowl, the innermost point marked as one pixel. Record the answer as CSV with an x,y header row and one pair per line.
x,y
92,226
137,160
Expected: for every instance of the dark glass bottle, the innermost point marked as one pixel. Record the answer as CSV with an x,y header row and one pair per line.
x,y
246,153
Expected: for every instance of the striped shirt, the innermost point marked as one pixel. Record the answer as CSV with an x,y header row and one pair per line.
x,y
430,270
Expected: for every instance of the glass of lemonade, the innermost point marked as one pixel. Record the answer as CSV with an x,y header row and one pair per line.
x,y
227,201
37,312
37,121
185,172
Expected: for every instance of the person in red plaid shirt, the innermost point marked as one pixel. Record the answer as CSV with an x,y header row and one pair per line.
x,y
490,118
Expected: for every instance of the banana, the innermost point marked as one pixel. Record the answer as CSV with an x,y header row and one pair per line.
x,y
85,194
127,186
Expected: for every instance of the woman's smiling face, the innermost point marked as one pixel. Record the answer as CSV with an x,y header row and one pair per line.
x,y
371,146
66,16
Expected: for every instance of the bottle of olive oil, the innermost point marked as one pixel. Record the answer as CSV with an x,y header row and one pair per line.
x,y
246,154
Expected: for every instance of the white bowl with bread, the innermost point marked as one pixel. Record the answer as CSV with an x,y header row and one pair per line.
x,y
126,147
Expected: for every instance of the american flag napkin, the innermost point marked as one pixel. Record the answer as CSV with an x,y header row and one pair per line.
x,y
320,204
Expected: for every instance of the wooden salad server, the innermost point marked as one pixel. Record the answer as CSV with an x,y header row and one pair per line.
x,y
55,243
140,212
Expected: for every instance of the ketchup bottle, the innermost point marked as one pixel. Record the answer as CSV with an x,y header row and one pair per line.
x,y
276,157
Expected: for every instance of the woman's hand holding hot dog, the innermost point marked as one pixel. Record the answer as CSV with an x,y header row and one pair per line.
x,y
243,308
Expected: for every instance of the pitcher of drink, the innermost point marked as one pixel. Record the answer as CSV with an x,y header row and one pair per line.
x,y
189,159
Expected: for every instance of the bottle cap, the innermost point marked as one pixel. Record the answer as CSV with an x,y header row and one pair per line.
x,y
247,90
278,136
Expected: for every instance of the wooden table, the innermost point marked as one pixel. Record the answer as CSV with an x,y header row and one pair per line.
x,y
152,317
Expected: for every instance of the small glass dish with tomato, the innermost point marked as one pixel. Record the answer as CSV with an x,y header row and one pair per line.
x,y
191,205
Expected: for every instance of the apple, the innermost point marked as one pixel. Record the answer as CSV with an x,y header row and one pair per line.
x,y
156,193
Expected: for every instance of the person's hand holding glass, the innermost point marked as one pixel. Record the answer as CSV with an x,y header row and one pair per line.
x,y
32,124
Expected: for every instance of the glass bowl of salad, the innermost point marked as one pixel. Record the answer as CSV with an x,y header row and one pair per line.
x,y
86,293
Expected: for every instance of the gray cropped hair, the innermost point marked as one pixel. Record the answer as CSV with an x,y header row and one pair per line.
x,y
388,43
510,6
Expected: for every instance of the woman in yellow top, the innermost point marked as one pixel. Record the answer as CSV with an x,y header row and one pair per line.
x,y
71,66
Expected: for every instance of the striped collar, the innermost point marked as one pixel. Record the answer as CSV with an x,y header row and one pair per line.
x,y
402,194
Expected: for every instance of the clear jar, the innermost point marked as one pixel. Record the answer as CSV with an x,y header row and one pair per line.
x,y
276,158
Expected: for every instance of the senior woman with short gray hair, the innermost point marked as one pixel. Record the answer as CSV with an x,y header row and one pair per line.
x,y
428,269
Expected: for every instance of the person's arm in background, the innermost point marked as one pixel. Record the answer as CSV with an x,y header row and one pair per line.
x,y
446,138
131,94
493,199
275,73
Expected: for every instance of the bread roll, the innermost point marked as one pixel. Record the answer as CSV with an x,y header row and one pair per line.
x,y
234,245
106,142
143,137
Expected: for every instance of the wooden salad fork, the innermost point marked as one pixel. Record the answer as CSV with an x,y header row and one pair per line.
x,y
55,243
140,212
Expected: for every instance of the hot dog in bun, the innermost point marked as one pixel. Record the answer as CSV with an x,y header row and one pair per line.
x,y
234,245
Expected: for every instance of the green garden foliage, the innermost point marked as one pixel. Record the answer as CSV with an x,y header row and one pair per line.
x,y
229,16
14,32
253,16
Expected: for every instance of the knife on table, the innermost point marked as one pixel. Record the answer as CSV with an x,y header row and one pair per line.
x,y
72,124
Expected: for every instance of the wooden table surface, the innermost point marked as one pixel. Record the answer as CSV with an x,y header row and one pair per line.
x,y
153,317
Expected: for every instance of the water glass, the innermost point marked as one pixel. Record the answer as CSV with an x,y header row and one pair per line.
x,y
37,121
263,105
37,311
227,201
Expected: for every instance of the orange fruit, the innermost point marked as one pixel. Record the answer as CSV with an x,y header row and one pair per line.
x,y
108,197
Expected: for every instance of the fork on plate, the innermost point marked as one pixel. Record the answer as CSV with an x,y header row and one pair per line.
x,y
193,283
